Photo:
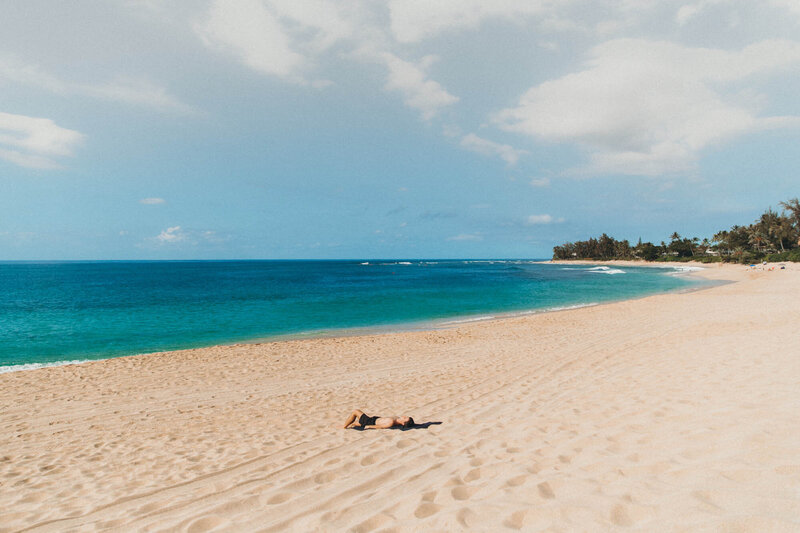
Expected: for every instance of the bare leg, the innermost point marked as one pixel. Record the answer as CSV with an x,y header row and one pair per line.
x,y
352,418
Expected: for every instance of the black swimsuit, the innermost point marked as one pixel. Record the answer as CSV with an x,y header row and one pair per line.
x,y
365,420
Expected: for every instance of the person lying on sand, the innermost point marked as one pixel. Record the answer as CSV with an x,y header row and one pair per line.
x,y
358,419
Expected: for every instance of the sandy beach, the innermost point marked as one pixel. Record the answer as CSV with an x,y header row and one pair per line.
x,y
676,412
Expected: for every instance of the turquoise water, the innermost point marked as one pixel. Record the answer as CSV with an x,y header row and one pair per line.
x,y
61,311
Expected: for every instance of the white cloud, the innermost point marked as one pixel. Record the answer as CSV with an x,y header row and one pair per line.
x,y
171,235
280,37
286,38
540,182
507,153
466,237
419,92
135,92
186,237
534,220
151,201
126,90
329,21
648,108
415,20
35,142
247,29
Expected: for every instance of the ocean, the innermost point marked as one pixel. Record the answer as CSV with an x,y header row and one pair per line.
x,y
56,312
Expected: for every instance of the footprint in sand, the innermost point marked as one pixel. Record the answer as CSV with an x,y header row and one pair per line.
x,y
516,481
150,507
516,520
467,517
426,509
545,490
373,523
620,516
429,496
473,475
706,498
454,481
370,459
462,492
207,523
280,498
35,497
325,477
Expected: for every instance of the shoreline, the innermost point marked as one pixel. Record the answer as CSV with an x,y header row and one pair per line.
x,y
671,412
418,325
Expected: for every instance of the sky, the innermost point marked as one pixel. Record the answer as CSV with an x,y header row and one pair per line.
x,y
315,129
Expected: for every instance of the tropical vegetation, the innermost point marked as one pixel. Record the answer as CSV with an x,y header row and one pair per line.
x,y
775,236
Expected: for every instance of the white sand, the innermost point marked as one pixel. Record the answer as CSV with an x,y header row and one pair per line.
x,y
678,412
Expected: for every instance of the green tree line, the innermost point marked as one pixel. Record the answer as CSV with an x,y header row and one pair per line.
x,y
775,236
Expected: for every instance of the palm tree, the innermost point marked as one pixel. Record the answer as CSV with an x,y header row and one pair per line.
x,y
705,245
721,238
769,226
783,229
793,206
789,232
756,237
738,237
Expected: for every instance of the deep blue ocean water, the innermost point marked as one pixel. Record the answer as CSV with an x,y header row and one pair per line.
x,y
60,311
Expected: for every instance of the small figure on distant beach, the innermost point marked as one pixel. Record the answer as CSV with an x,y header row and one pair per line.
x,y
360,420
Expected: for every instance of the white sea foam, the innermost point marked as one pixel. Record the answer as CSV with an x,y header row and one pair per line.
x,y
598,270
403,263
605,270
34,366
568,307
688,268
610,271
467,320
365,263
517,313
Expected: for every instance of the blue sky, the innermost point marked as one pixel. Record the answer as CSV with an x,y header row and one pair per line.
x,y
321,129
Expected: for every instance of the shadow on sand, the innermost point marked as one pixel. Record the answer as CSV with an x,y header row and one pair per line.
x,y
422,425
